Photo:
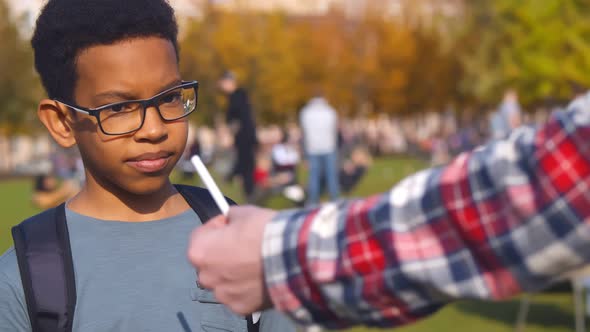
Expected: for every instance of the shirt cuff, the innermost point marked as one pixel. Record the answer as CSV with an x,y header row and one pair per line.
x,y
282,271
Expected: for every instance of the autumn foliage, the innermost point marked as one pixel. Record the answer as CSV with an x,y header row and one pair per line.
x,y
366,64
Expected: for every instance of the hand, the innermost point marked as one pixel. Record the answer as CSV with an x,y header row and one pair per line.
x,y
227,253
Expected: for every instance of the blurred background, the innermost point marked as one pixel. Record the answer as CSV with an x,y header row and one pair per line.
x,y
412,82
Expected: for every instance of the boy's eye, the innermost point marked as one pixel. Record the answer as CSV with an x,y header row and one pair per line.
x,y
122,108
171,98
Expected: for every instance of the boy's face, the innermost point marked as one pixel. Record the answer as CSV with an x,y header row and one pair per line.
x,y
137,68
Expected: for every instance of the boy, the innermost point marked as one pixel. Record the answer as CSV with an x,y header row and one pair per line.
x,y
128,226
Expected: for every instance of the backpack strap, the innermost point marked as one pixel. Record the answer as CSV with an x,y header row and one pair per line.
x,y
46,267
252,327
201,201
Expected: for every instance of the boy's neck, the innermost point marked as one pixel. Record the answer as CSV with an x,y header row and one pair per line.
x,y
115,204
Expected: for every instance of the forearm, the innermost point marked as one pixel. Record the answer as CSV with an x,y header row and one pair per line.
x,y
505,218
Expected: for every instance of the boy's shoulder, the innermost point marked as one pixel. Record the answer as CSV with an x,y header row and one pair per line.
x,y
9,272
13,307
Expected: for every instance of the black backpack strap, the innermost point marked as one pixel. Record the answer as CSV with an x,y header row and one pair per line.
x,y
44,257
201,201
252,327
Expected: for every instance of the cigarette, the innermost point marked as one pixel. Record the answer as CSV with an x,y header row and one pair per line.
x,y
211,185
217,197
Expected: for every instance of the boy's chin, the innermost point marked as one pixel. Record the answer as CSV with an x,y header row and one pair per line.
x,y
148,186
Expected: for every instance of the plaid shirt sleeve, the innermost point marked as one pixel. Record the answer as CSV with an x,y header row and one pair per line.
x,y
510,216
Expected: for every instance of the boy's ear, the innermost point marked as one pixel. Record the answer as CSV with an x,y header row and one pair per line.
x,y
58,121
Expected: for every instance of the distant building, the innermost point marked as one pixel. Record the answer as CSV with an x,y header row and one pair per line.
x,y
25,155
422,9
412,11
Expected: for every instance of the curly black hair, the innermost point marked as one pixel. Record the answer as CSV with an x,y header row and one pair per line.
x,y
67,27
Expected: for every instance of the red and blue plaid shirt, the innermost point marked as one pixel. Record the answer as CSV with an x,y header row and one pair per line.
x,y
510,216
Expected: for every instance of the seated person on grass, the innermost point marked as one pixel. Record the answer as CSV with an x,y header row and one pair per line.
x,y
49,192
275,174
354,168
265,182
111,72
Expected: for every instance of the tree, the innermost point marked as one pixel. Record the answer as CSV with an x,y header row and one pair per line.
x,y
19,86
257,46
542,51
367,63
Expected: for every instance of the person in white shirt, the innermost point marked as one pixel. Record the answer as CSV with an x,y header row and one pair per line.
x,y
319,123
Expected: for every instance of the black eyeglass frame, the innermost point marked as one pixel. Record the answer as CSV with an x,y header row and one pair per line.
x,y
145,103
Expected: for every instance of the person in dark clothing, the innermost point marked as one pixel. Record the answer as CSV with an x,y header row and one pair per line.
x,y
354,168
241,122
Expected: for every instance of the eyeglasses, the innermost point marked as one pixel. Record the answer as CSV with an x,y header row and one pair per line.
x,y
128,116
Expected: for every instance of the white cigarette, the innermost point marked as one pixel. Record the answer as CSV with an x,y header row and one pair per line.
x,y
211,185
256,317
217,197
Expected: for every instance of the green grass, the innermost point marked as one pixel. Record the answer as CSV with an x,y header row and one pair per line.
x,y
15,204
549,312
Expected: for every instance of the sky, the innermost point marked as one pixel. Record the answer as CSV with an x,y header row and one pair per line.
x,y
19,7
35,5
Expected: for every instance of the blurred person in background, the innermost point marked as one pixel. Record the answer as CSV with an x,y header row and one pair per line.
x,y
276,172
186,166
510,109
241,122
48,192
354,168
319,123
285,157
224,157
267,181
207,141
507,117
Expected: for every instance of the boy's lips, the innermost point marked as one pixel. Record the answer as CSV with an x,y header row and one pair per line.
x,y
150,162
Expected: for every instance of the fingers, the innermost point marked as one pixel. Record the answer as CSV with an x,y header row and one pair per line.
x,y
238,307
206,280
226,252
237,299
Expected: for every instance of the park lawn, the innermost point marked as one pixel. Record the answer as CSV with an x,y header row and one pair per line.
x,y
549,312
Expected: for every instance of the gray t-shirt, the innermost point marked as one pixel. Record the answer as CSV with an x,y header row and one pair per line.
x,y
131,277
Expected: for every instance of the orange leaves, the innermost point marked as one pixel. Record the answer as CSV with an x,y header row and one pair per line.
x,y
369,60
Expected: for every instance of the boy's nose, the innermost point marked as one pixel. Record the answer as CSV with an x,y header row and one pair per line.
x,y
154,128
